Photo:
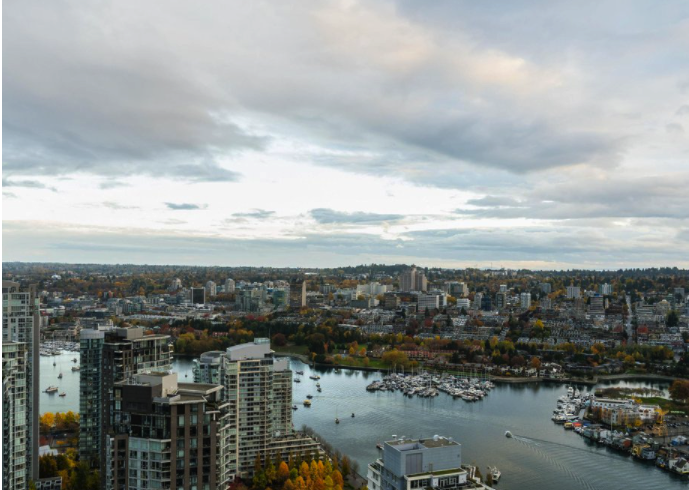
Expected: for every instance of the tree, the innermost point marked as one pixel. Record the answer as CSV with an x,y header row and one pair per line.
x,y
679,390
535,363
283,472
279,339
672,319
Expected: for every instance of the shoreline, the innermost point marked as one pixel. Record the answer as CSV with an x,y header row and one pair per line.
x,y
500,379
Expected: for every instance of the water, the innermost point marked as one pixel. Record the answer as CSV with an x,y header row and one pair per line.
x,y
542,456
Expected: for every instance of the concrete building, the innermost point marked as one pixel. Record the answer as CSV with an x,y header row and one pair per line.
x,y
463,303
413,280
545,303
281,297
15,423
573,292
229,285
525,300
546,287
211,289
427,302
175,284
20,323
597,305
605,289
408,464
456,289
258,389
168,434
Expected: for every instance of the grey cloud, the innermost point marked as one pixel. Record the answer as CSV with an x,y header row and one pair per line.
x,y
683,110
117,206
494,201
30,184
9,195
330,216
171,102
185,206
111,184
621,197
255,214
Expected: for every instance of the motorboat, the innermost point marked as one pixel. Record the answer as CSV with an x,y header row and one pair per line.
x,y
51,389
495,473
352,414
301,373
63,394
309,396
76,368
59,376
508,434
307,403
294,407
337,421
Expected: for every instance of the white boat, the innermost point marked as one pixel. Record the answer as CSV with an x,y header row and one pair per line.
x,y
494,473
51,389
508,434
76,368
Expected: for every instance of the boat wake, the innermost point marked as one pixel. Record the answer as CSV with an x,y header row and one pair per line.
x,y
539,447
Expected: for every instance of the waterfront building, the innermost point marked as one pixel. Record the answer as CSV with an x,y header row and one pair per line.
x,y
198,296
407,464
211,289
525,300
258,389
229,285
119,355
573,292
168,434
15,423
20,323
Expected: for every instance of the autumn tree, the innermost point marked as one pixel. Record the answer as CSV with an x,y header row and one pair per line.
x,y
679,390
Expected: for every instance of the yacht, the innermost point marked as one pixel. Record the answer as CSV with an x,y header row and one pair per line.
x,y
51,389
76,368
59,376
307,403
301,373
63,394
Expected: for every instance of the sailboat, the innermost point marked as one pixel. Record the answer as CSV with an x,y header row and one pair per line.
x,y
59,376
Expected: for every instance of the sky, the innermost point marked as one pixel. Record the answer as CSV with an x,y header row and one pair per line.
x,y
538,134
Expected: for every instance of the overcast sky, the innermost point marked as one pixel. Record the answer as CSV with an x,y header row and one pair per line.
x,y
542,134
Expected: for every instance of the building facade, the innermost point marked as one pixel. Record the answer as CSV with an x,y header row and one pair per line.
x,y
20,323
168,435
258,390
15,427
409,464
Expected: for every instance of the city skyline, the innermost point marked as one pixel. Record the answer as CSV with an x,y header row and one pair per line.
x,y
541,135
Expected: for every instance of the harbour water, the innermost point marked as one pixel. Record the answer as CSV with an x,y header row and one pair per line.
x,y
542,456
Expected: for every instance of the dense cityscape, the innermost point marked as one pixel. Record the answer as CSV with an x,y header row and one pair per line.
x,y
140,425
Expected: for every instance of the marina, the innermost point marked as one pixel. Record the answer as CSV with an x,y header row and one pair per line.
x,y
426,385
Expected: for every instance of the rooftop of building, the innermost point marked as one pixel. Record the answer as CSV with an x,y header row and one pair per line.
x,y
411,444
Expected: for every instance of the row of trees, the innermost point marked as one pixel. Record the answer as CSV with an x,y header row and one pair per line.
x,y
75,475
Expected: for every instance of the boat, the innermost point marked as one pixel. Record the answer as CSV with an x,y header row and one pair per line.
x,y
314,376
59,376
51,389
379,446
337,421
307,403
508,434
319,390
309,396
495,473
301,373
74,360
352,414
76,368
297,380
63,394
294,407
318,385
54,364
